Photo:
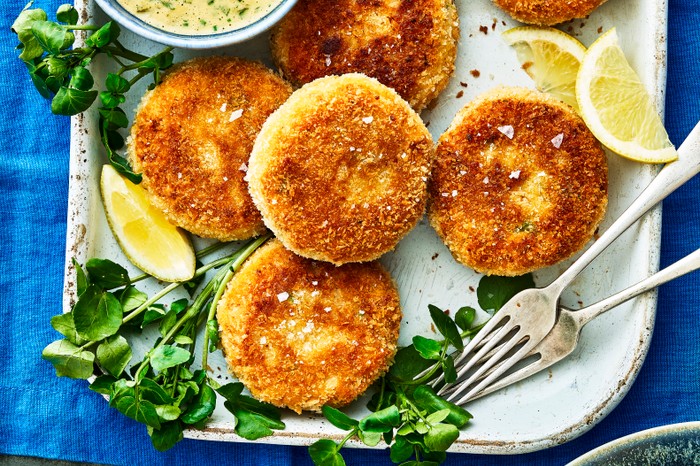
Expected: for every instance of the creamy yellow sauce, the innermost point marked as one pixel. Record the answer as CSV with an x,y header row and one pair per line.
x,y
199,17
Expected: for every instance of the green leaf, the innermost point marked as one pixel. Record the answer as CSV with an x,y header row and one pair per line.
x,y
434,458
183,340
252,426
150,390
324,452
231,391
437,416
493,291
446,326
255,418
448,368
381,421
427,348
168,322
213,333
103,36
115,118
426,399
168,412
81,281
465,317
110,100
167,436
271,413
440,437
81,79
69,360
153,314
131,298
31,48
57,67
400,450
168,356
339,418
407,364
103,384
97,314
202,407
27,18
107,274
38,81
140,410
50,35
371,439
160,61
63,324
117,84
70,102
68,40
67,14
115,140
113,354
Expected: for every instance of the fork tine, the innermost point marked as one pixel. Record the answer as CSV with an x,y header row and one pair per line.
x,y
507,364
452,387
500,334
484,336
520,374
514,340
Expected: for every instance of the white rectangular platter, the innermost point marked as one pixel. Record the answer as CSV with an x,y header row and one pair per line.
x,y
548,409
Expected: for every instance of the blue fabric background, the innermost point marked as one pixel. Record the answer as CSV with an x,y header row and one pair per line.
x,y
41,415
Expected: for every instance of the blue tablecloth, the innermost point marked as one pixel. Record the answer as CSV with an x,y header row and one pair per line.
x,y
41,415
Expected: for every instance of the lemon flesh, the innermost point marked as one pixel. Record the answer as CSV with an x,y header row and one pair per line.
x,y
550,57
145,236
617,107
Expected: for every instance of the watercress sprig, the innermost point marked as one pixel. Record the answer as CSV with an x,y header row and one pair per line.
x,y
417,424
62,74
163,390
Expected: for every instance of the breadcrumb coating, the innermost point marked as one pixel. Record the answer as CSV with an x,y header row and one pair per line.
x,y
301,334
519,183
548,12
339,172
408,45
192,137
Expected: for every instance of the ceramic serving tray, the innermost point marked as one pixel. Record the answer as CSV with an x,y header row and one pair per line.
x,y
550,408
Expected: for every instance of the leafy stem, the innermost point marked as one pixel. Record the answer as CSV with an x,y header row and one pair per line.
x,y
233,267
62,74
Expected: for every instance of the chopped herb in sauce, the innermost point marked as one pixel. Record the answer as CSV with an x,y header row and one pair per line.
x,y
199,16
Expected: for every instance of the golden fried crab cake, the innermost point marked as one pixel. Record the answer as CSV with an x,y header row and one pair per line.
x,y
519,183
302,334
548,12
192,138
408,45
339,171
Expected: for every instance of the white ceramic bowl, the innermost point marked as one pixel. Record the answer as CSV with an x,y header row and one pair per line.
x,y
118,13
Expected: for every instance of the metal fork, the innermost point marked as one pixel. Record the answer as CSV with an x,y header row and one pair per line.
x,y
524,321
562,340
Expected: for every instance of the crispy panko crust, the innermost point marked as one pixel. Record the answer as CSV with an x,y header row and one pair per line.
x,y
192,138
339,172
302,334
547,12
519,183
408,45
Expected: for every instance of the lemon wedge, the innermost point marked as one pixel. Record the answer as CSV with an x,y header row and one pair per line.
x,y
146,237
617,107
550,57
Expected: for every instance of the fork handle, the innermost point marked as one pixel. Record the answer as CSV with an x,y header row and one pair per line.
x,y
688,264
672,176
